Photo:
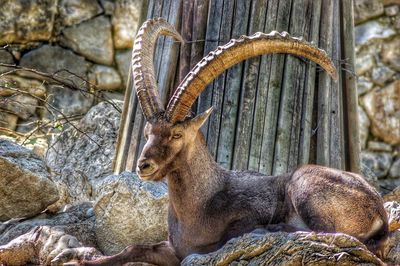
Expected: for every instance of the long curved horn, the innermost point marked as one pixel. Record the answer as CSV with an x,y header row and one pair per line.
x,y
143,66
224,57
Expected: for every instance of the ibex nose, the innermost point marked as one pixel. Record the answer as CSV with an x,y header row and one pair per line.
x,y
146,167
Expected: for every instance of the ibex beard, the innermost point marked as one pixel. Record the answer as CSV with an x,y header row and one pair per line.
x,y
210,205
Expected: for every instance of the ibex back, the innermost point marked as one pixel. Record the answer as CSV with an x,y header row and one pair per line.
x,y
210,205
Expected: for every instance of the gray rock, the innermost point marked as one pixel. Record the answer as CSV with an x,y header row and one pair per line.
x,y
21,105
26,21
92,39
130,211
392,11
379,146
105,77
388,185
82,158
375,29
391,53
49,238
394,171
370,176
75,11
281,248
367,9
25,185
108,6
125,21
364,124
54,59
378,162
5,58
26,125
364,85
123,59
364,62
67,101
381,74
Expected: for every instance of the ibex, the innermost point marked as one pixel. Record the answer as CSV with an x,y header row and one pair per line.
x,y
210,205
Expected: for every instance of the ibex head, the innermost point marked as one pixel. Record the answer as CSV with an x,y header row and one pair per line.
x,y
169,132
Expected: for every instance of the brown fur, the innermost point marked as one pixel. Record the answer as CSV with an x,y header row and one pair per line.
x,y
210,205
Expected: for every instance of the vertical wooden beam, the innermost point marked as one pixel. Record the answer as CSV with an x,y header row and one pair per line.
x,y
352,138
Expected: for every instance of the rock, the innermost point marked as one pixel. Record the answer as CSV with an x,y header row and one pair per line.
x,y
21,105
25,185
82,158
123,59
8,120
364,124
50,237
26,21
112,96
394,171
393,196
392,245
369,176
27,125
378,146
391,11
108,6
381,74
367,9
75,11
383,109
393,210
391,53
54,59
374,29
299,248
388,185
32,86
67,101
104,77
5,58
125,21
364,85
130,211
378,162
92,39
364,62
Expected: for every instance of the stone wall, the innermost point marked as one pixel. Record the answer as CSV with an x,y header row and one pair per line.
x,y
80,51
377,38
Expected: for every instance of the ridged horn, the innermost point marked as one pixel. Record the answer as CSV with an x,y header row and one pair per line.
x,y
224,57
143,66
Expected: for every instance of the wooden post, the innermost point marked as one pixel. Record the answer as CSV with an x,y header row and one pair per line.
x,y
271,113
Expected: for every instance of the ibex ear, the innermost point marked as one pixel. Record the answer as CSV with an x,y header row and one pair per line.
x,y
199,120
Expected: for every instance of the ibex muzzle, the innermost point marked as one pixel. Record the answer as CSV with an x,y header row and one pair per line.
x,y
210,205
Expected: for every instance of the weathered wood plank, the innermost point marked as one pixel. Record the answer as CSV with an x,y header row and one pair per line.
x,y
211,43
350,93
186,32
233,83
248,92
219,83
324,89
308,96
274,93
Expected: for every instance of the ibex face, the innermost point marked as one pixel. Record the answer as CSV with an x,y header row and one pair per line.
x,y
165,142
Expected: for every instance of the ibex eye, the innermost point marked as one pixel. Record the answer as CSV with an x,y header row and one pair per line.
x,y
177,136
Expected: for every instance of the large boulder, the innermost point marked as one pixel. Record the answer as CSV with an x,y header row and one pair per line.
x,y
82,155
50,238
125,22
26,188
130,211
300,248
73,12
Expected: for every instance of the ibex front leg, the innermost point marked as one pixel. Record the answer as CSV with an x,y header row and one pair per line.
x,y
161,254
